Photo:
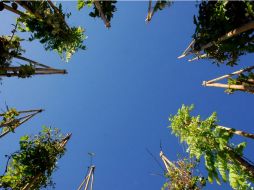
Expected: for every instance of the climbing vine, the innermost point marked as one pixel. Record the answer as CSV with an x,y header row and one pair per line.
x,y
35,162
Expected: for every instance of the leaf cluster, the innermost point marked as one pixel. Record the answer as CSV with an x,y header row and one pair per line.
x,y
108,8
50,28
180,176
205,139
9,120
215,19
36,159
9,48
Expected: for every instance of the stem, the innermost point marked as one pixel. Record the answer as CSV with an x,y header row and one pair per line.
x,y
103,17
237,132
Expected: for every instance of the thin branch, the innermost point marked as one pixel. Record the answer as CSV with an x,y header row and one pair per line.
x,y
237,132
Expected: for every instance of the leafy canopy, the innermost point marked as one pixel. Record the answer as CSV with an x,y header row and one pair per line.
x,y
36,159
49,27
215,19
205,139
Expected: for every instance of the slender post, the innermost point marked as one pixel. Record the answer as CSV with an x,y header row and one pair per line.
x,y
25,6
231,86
103,17
228,75
19,121
7,7
87,180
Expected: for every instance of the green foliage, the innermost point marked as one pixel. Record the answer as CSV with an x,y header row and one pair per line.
x,y
9,120
26,71
50,28
204,138
9,48
36,159
108,8
215,19
180,176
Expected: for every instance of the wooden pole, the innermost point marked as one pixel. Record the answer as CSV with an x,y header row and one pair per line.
x,y
87,180
26,7
20,121
7,7
228,75
102,15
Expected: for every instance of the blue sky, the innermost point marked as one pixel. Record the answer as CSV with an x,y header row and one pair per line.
x,y
119,93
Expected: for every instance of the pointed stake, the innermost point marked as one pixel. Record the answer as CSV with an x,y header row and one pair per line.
x,y
103,17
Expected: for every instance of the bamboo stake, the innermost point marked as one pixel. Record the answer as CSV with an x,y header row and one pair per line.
x,y
167,162
86,181
20,122
237,132
228,75
26,7
31,61
187,50
102,15
9,8
198,57
57,11
149,12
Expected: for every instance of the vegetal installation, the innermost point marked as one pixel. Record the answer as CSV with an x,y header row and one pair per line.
x,y
224,31
207,139
103,9
11,49
31,167
12,119
46,22
180,175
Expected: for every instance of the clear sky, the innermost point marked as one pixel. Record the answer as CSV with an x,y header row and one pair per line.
x,y
119,93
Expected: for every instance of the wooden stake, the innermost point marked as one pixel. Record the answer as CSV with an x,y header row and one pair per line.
x,y
102,15
228,75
